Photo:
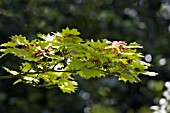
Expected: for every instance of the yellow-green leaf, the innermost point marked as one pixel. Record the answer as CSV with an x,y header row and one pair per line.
x,y
69,32
150,73
67,86
17,81
11,71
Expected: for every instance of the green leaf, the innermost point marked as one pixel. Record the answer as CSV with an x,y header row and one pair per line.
x,y
76,64
17,81
23,54
75,40
45,77
26,67
2,55
52,74
44,44
4,52
67,86
128,77
89,73
9,44
68,32
150,73
20,39
40,35
124,61
97,44
134,45
31,79
11,71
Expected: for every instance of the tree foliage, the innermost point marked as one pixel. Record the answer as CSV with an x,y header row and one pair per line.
x,y
53,60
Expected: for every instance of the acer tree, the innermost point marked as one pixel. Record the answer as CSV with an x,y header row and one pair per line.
x,y
53,60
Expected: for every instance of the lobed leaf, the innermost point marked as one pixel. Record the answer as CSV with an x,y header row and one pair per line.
x,y
20,39
68,32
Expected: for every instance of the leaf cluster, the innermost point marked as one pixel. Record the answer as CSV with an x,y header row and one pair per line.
x,y
53,60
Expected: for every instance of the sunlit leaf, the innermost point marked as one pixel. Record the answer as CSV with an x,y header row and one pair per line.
x,y
150,73
20,39
9,44
69,32
26,67
67,86
88,73
17,81
11,71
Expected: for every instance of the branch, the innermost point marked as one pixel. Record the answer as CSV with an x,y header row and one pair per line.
x,y
38,72
10,76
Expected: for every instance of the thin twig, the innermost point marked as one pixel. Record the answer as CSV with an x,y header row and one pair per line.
x,y
9,76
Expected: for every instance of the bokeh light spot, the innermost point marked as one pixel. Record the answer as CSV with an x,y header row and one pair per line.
x,y
167,84
87,110
148,57
162,61
165,10
84,95
130,12
169,28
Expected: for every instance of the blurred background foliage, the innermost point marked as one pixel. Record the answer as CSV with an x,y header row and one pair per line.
x,y
144,21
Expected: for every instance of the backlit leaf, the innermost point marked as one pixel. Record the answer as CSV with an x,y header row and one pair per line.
x,y
69,32
9,44
11,71
17,81
26,67
150,73
20,39
67,86
88,73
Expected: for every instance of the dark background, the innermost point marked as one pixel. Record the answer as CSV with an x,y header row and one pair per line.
x,y
144,21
